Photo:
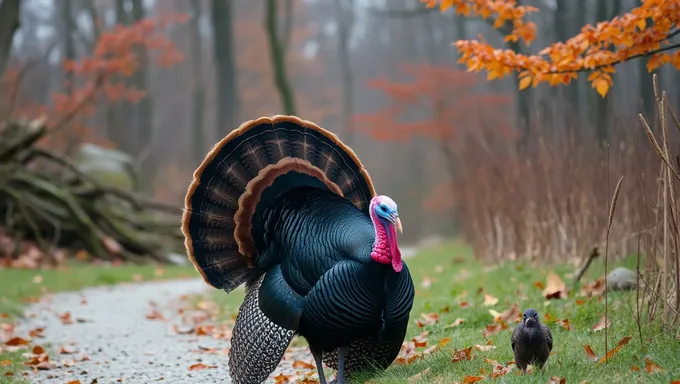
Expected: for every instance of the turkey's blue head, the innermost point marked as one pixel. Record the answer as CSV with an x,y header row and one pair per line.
x,y
530,318
385,217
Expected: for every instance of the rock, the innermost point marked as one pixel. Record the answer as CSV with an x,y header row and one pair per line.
x,y
621,278
110,166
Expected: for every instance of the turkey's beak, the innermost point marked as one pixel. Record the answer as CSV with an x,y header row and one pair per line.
x,y
397,222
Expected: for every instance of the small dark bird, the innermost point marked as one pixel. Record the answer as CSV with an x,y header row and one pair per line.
x,y
284,207
531,341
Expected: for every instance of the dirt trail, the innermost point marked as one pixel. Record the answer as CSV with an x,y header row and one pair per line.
x,y
121,343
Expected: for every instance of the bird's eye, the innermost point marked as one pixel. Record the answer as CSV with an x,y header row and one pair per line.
x,y
383,207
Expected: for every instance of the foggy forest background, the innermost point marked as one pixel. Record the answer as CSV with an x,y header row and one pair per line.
x,y
516,173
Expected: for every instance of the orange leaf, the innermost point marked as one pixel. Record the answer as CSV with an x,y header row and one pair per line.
x,y
444,341
16,341
602,324
618,347
472,379
297,364
201,366
651,367
525,83
589,353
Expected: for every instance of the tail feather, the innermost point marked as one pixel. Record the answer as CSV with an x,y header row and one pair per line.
x,y
246,171
257,344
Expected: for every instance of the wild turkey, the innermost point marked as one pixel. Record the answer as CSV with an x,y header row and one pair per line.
x,y
283,206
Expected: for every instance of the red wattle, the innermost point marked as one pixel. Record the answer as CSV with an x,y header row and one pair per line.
x,y
394,248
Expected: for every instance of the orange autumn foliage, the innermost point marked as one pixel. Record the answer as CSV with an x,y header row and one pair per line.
x,y
100,78
447,94
645,31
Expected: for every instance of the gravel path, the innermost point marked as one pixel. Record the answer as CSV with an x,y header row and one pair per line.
x,y
111,340
112,330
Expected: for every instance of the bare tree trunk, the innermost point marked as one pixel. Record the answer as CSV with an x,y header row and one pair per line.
x,y
564,31
10,11
198,94
345,21
144,147
225,64
278,59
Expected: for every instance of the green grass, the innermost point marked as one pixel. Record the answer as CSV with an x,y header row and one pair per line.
x,y
21,286
514,282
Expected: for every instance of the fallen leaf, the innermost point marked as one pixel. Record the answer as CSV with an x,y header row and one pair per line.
x,y
616,349
155,315
472,379
489,300
462,354
557,380
281,378
201,366
464,304
297,364
456,323
74,382
539,285
6,362
635,368
589,353
16,341
37,279
38,350
555,287
580,301
602,324
593,288
418,375
565,324
651,367
66,318
485,348
444,341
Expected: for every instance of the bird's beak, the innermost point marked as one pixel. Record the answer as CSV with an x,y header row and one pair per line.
x,y
397,222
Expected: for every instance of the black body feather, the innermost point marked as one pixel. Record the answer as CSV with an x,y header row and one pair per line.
x,y
282,205
531,344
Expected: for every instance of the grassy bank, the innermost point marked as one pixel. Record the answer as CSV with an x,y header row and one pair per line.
x,y
21,287
447,276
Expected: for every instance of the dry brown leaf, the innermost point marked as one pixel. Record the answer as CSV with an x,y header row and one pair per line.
x,y
74,382
6,362
557,380
464,304
594,288
428,319
456,323
616,349
66,318
201,366
297,364
418,375
281,378
66,351
155,315
38,350
16,341
472,379
462,354
602,324
565,324
589,353
651,367
485,348
635,368
489,300
539,285
580,301
555,287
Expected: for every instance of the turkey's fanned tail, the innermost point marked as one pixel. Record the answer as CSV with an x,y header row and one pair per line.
x,y
257,344
243,174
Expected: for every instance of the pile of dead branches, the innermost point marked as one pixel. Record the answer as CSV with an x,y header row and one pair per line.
x,y
46,199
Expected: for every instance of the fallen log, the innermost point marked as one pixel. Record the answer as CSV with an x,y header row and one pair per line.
x,y
45,198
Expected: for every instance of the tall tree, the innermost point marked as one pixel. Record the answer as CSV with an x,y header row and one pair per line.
x,y
145,124
198,93
10,11
225,65
344,10
278,58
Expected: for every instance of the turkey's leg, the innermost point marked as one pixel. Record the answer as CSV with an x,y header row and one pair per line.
x,y
319,367
341,366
